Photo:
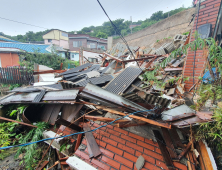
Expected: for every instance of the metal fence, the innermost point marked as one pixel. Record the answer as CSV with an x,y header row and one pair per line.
x,y
16,76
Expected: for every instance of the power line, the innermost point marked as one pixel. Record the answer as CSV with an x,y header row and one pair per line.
x,y
22,23
118,32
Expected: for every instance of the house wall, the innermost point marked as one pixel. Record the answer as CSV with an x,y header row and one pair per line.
x,y
88,55
169,27
71,48
56,34
84,38
61,43
9,59
207,14
74,56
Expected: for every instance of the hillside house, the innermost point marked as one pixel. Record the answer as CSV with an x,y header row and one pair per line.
x,y
57,37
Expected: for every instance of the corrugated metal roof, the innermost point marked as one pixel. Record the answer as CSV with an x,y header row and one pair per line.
x,y
25,47
8,40
123,80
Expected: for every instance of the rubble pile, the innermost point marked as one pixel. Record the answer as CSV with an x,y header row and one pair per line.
x,y
117,86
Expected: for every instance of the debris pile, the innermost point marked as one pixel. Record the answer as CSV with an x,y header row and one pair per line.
x,y
119,86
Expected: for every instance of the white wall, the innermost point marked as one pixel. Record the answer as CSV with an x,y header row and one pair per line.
x,y
88,55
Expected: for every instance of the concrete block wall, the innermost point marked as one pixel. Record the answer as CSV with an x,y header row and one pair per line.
x,y
207,14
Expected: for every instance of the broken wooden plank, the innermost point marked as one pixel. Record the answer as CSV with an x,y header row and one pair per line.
x,y
68,124
191,161
54,114
176,138
148,64
120,125
163,149
185,150
22,123
105,119
79,139
43,165
169,143
204,157
91,140
166,125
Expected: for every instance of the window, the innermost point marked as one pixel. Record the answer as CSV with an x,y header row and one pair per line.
x,y
77,43
73,56
49,40
102,47
91,45
64,34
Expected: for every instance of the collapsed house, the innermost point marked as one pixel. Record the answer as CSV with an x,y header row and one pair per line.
x,y
129,122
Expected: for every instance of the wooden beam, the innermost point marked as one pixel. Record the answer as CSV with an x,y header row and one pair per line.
x,y
205,156
148,64
68,124
104,119
114,58
163,150
185,150
191,159
43,165
21,123
119,125
169,143
79,139
153,122
138,59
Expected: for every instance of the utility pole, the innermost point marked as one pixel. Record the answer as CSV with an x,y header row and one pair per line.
x,y
131,23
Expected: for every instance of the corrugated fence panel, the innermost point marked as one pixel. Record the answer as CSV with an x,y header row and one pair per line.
x,y
16,76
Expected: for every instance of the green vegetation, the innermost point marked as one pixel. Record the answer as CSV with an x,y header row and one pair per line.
x,y
11,135
7,136
106,29
32,154
51,60
70,64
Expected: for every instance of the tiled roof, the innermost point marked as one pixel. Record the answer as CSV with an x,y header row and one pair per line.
x,y
25,47
3,39
120,150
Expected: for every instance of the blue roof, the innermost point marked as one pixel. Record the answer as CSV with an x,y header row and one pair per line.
x,y
3,39
25,46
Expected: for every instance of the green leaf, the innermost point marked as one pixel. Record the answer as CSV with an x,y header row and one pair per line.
x,y
13,113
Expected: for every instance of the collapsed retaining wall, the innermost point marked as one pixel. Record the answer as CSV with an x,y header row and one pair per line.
x,y
169,27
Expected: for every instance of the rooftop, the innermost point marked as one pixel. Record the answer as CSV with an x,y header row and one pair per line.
x,y
25,46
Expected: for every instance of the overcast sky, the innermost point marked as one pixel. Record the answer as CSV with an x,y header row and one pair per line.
x,y
73,15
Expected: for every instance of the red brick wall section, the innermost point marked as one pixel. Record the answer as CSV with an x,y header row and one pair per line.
x,y
207,14
120,150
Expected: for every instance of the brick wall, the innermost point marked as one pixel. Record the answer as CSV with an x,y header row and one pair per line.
x,y
120,150
207,14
